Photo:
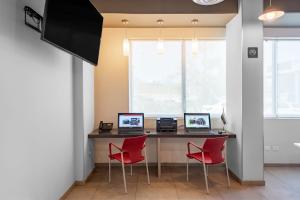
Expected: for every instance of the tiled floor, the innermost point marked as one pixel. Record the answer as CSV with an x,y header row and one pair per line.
x,y
282,183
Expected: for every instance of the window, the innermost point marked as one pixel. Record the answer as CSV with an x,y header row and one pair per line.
x,y
177,81
206,77
282,78
156,78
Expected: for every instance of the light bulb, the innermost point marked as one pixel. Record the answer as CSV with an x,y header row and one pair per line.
x,y
270,16
126,47
160,46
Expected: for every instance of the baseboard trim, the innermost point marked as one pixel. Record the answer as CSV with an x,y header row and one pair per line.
x,y
79,183
234,176
76,183
247,183
282,165
64,196
254,183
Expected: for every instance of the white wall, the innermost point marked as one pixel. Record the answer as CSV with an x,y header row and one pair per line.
x,y
234,92
78,119
89,114
282,32
36,114
282,132
83,118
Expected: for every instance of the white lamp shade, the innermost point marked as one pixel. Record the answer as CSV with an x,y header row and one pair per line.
x,y
270,14
126,47
160,46
207,2
195,47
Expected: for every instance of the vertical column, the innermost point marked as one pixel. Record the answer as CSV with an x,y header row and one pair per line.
x,y
245,93
78,118
252,92
83,95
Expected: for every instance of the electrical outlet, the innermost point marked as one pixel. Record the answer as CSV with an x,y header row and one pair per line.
x,y
267,148
275,148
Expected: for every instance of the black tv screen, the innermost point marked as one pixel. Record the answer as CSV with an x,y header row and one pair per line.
x,y
74,26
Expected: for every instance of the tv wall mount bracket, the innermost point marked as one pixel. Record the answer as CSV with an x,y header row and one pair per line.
x,y
33,19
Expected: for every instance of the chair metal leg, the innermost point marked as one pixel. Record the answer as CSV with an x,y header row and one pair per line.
x,y
207,170
123,169
109,170
146,162
187,169
130,170
205,174
228,179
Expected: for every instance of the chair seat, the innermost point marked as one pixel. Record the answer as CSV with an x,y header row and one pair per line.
x,y
127,159
207,158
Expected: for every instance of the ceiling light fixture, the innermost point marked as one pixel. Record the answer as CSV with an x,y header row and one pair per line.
x,y
207,2
271,13
160,42
126,45
195,44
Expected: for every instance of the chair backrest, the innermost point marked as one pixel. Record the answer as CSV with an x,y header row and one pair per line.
x,y
214,147
134,146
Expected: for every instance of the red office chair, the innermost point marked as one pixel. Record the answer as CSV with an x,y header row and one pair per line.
x,y
130,153
211,153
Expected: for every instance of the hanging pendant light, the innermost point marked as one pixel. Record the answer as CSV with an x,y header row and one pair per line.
x,y
126,45
207,2
195,43
160,46
160,42
271,13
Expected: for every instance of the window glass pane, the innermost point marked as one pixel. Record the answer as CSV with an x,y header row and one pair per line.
x,y
156,79
268,78
288,64
206,77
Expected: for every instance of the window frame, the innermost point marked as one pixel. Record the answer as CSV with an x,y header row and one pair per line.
x,y
275,114
183,77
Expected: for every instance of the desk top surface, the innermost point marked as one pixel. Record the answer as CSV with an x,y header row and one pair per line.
x,y
154,134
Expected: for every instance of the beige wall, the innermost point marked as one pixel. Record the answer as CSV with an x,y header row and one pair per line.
x,y
111,85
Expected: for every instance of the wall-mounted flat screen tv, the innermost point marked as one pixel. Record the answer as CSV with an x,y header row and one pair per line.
x,y
74,26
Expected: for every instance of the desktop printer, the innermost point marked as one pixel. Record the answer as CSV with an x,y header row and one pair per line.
x,y
166,125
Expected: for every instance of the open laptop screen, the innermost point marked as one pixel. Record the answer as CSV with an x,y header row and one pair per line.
x,y
197,121
131,121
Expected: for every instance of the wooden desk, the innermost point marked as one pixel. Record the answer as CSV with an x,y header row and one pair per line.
x,y
158,136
